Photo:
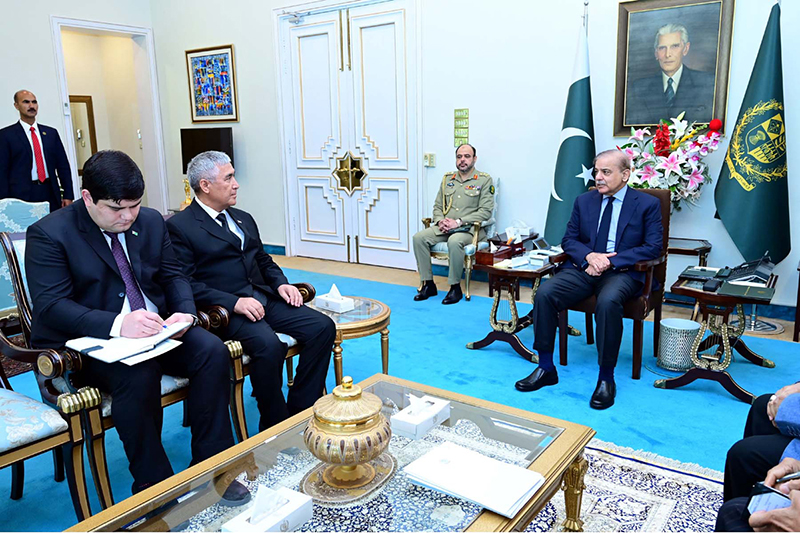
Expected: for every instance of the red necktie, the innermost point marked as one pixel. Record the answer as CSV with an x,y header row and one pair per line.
x,y
37,155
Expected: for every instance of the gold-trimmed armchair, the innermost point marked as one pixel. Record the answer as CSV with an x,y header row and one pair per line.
x,y
58,372
439,250
219,318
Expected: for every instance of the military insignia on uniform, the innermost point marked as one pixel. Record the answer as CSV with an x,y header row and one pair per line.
x,y
758,146
491,189
451,184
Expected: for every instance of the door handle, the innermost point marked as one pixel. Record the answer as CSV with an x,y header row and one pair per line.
x,y
348,248
357,258
341,42
349,53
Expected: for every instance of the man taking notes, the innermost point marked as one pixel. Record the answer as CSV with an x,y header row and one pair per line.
x,y
104,267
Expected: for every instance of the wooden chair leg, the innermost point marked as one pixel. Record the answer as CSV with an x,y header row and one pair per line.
x,y
638,329
58,464
467,276
656,329
186,423
589,329
76,479
237,410
562,337
289,372
96,449
17,479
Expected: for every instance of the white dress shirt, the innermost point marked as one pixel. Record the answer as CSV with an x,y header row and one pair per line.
x,y
27,128
116,328
676,79
213,213
619,198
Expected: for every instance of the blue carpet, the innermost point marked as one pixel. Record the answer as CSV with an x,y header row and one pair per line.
x,y
696,424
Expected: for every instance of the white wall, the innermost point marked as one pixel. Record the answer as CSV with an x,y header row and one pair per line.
x,y
27,52
508,61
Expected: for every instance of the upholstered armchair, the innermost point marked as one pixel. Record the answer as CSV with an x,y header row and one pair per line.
x,y
58,372
29,427
15,216
219,317
439,250
637,308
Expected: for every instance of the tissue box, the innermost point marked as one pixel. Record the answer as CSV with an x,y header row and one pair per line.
x,y
485,257
286,518
337,305
414,425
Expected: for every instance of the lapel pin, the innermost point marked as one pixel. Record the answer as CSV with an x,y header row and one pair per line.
x,y
135,233
239,221
44,133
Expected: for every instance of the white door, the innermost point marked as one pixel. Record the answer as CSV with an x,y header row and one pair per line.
x,y
348,81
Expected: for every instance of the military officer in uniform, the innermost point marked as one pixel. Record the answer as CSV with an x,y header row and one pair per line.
x,y
465,197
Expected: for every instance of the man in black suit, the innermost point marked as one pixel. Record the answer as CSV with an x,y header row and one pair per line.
x,y
32,158
611,228
104,267
222,254
675,89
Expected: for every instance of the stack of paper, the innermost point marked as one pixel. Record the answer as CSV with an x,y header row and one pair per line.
x,y
124,349
463,473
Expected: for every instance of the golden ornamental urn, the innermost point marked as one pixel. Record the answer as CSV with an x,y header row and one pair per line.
x,y
346,432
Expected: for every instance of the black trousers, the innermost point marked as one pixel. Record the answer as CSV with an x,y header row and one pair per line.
x,y
570,286
750,459
731,516
43,192
315,331
136,406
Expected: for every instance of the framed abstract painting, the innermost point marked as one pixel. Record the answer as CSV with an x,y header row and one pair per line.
x,y
673,56
212,84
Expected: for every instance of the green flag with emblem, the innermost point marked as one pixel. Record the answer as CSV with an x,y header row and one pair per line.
x,y
752,193
573,172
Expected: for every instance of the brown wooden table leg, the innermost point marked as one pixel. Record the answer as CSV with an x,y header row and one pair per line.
x,y
337,357
385,350
510,338
723,378
750,355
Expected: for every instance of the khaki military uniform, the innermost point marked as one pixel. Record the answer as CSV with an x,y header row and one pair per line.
x,y
471,201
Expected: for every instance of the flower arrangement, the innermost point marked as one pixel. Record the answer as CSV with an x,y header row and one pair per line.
x,y
673,158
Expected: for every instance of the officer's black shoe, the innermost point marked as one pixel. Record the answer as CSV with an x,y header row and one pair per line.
x,y
603,396
235,495
453,295
539,378
427,290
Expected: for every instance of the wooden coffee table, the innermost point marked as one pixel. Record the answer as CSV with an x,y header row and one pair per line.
x,y
278,457
369,317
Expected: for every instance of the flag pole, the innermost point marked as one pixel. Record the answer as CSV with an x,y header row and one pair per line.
x,y
586,16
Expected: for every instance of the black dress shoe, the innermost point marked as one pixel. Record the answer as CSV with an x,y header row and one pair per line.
x,y
427,290
539,378
235,495
453,295
603,396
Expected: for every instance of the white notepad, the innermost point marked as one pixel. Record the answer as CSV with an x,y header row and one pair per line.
x,y
119,348
452,469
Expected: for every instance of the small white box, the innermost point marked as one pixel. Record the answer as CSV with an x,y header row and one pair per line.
x,y
337,305
518,261
289,517
414,421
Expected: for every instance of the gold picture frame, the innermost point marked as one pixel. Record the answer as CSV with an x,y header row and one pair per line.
x,y
212,84
646,61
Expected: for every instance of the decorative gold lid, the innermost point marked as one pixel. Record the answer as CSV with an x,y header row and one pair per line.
x,y
348,404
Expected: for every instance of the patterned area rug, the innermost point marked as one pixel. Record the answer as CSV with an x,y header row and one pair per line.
x,y
12,367
629,490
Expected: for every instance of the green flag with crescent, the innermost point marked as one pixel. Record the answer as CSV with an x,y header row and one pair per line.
x,y
752,193
573,173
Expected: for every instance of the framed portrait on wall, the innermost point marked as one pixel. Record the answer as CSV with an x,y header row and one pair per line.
x,y
673,56
212,84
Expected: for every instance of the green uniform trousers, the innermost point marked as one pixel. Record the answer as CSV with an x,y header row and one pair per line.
x,y
424,241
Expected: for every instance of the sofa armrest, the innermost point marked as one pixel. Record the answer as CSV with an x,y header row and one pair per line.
x,y
644,266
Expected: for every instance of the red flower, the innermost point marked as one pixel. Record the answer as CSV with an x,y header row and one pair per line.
x,y
715,125
661,142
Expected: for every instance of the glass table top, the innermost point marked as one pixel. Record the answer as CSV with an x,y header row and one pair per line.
x,y
398,505
365,309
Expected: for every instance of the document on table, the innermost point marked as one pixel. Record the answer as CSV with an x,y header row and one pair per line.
x,y
120,348
457,471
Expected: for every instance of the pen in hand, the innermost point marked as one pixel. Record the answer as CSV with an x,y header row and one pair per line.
x,y
790,477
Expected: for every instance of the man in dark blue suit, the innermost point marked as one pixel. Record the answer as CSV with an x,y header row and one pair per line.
x,y
675,89
33,164
611,229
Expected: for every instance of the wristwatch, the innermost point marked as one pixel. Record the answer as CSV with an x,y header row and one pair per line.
x,y
195,320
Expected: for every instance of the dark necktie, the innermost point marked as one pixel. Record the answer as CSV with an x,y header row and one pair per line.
x,y
226,228
670,92
37,155
601,243
135,296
